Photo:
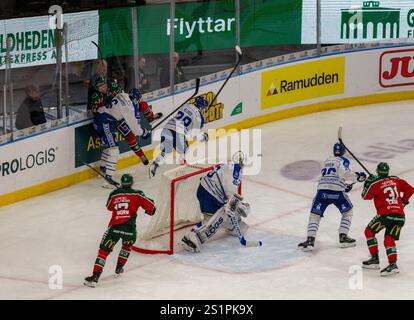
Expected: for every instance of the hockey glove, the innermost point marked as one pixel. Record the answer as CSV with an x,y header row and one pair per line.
x,y
361,176
202,136
348,187
151,213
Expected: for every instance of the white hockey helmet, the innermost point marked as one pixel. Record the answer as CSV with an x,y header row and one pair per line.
x,y
240,158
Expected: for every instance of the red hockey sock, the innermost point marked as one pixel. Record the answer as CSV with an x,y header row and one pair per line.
x,y
124,255
146,110
371,241
391,248
133,144
100,261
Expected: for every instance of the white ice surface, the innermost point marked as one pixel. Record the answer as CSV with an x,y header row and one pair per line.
x,y
65,227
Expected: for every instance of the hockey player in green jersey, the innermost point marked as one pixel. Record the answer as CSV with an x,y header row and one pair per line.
x,y
124,203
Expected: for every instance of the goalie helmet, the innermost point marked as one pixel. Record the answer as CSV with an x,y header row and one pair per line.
x,y
201,103
127,181
383,169
240,158
338,149
135,95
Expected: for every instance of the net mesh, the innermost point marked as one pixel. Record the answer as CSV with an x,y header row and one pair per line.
x,y
178,187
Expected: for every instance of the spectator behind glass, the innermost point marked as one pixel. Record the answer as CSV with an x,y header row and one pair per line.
x,y
178,73
30,112
144,83
101,70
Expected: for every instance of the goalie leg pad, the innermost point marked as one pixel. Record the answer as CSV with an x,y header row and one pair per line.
x,y
210,228
191,242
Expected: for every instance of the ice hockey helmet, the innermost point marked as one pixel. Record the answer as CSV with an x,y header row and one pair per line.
x,y
98,81
383,169
338,149
135,95
127,180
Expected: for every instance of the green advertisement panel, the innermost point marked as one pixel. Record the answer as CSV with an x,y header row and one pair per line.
x,y
211,25
115,32
88,146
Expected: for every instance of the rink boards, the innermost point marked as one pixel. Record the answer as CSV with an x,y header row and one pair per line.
x,y
287,87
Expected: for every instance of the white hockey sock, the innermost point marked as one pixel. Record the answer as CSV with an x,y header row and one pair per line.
x,y
345,222
109,158
160,159
313,225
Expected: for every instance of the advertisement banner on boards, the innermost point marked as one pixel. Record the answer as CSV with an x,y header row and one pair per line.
x,y
359,21
302,81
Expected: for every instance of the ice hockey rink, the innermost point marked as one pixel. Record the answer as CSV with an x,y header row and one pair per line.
x,y
61,231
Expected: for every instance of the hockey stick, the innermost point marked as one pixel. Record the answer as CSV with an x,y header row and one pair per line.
x,y
99,49
197,86
349,151
239,57
114,183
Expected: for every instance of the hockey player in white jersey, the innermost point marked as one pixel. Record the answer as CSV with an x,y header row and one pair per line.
x,y
221,205
336,180
188,122
121,114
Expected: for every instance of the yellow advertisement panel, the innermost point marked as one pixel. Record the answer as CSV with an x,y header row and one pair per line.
x,y
302,82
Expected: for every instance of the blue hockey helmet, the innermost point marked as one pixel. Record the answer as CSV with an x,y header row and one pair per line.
x,y
201,103
338,149
135,95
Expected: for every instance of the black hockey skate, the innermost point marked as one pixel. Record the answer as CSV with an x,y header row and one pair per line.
x,y
153,169
307,245
157,116
92,281
345,241
372,263
390,270
119,269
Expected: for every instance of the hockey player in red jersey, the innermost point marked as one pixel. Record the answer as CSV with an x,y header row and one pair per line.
x,y
124,204
143,106
390,195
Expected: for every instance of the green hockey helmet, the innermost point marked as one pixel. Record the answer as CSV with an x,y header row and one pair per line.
x,y
383,169
99,81
127,180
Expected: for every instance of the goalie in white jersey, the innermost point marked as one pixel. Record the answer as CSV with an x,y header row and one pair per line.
x,y
221,205
336,180
188,122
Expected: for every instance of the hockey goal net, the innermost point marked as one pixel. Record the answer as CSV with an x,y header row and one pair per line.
x,y
178,209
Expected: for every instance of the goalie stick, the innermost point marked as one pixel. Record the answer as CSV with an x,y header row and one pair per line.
x,y
114,183
243,241
197,86
349,151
